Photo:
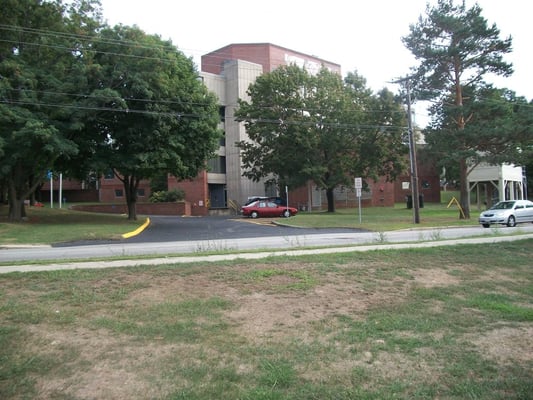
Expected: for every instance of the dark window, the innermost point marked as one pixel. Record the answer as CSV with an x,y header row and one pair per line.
x,y
140,192
119,193
109,174
217,165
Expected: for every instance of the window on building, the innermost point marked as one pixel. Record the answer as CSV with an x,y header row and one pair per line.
x,y
109,174
119,193
217,165
140,192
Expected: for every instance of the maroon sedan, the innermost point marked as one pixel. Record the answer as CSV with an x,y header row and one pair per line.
x,y
263,208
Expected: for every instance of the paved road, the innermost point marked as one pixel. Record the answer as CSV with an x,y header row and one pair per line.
x,y
172,235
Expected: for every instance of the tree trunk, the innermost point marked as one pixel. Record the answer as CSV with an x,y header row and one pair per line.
x,y
131,184
463,184
19,188
331,200
463,166
132,209
17,211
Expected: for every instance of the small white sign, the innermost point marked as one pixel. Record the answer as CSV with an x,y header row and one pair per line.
x,y
358,183
358,192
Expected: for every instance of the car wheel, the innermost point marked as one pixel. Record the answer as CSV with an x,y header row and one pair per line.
x,y
286,213
511,221
486,225
254,214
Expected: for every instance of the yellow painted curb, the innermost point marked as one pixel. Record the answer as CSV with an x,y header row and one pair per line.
x,y
138,230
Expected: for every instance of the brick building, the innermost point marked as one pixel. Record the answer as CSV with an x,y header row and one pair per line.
x,y
228,72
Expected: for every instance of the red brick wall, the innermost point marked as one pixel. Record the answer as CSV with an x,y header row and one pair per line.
x,y
196,192
382,193
179,208
72,196
67,184
428,182
256,53
108,188
268,55
298,198
382,196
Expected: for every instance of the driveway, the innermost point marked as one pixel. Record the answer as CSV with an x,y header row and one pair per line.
x,y
178,229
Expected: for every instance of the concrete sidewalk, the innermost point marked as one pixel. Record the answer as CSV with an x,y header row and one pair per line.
x,y
253,256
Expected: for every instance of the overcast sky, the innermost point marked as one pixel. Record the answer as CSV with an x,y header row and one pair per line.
x,y
359,35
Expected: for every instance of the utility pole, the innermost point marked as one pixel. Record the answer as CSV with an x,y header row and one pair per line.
x,y
412,157
412,152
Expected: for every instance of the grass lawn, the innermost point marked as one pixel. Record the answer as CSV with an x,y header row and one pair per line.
x,y
381,219
439,323
46,226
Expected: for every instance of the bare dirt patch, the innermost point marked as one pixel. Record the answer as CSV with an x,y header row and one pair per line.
x,y
270,304
102,365
506,345
431,277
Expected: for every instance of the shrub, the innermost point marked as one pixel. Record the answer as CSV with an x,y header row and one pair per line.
x,y
170,196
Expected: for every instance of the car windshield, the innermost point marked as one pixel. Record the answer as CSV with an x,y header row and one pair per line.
x,y
503,205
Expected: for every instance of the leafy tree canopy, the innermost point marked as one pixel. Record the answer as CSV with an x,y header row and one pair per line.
x,y
305,127
153,115
79,96
38,63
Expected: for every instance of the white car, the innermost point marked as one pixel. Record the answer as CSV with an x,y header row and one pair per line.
x,y
509,212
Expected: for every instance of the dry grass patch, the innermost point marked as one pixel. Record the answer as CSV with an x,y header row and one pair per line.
x,y
394,324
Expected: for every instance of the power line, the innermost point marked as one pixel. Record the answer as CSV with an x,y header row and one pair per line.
x,y
120,42
92,96
199,116
178,102
132,44
108,109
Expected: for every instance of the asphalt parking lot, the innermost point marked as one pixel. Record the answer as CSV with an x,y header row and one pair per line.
x,y
169,229
181,229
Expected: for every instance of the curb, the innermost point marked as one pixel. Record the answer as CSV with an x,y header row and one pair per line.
x,y
138,230
165,260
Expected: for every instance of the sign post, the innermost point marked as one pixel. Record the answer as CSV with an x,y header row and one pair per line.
x,y
51,177
358,186
287,198
60,189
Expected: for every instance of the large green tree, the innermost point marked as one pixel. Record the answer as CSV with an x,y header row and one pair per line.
x,y
152,113
499,129
456,48
305,127
40,64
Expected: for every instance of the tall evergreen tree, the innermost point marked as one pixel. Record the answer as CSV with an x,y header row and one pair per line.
x,y
456,48
499,129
